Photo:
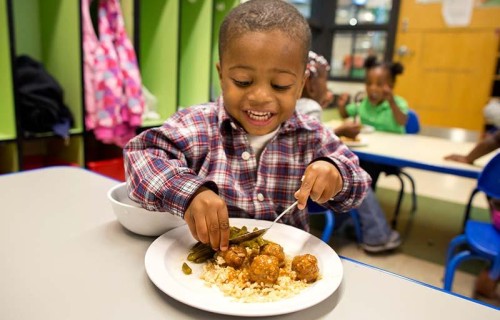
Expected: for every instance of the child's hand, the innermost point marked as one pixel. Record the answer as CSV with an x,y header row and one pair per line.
x,y
387,92
321,181
348,129
342,100
458,158
208,219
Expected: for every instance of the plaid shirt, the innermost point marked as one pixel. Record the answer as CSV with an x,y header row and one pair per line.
x,y
203,146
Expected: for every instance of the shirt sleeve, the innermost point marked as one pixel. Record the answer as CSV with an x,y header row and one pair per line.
x,y
159,162
351,109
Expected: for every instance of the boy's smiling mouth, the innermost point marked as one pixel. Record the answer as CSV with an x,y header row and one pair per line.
x,y
259,115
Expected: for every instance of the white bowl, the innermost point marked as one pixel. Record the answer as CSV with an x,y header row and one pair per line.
x,y
137,219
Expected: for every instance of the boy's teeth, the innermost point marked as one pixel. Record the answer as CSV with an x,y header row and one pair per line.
x,y
256,115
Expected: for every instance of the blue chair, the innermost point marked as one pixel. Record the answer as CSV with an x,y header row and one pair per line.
x,y
412,123
315,209
488,182
480,240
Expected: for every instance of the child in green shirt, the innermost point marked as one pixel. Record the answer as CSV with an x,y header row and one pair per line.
x,y
380,108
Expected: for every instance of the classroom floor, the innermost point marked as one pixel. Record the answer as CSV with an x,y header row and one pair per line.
x,y
440,206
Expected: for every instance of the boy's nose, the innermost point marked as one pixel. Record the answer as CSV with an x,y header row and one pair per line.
x,y
260,95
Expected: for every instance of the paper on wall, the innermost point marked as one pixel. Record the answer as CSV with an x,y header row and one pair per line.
x,y
457,13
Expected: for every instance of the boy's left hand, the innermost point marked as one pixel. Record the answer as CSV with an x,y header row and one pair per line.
x,y
321,181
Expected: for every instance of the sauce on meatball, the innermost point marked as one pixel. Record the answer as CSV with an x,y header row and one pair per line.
x,y
264,269
306,267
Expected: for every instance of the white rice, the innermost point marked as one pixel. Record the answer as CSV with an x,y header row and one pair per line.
x,y
234,283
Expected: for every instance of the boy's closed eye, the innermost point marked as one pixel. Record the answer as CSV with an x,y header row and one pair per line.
x,y
278,87
242,83
281,87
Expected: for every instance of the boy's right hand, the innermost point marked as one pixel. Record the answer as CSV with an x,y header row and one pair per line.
x,y
208,219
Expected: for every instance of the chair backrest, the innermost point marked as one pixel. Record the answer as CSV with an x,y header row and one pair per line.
x,y
412,123
489,179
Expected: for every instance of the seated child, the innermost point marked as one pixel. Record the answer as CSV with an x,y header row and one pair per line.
x,y
380,108
249,154
377,235
316,96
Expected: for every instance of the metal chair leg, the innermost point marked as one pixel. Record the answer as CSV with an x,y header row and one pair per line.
x,y
413,192
398,204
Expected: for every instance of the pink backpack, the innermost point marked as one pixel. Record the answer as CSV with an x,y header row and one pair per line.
x,y
112,82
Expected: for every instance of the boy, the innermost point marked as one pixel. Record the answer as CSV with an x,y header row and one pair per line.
x,y
248,154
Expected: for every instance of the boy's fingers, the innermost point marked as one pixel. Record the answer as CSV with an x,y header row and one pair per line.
x,y
224,228
304,191
191,224
317,193
213,230
201,229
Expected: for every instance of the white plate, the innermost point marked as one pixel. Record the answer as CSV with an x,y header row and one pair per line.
x,y
166,254
367,129
358,143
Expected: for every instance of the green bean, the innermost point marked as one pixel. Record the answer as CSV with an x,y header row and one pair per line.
x,y
186,269
261,241
196,245
201,251
202,259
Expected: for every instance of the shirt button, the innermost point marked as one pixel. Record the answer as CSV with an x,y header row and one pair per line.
x,y
260,197
245,155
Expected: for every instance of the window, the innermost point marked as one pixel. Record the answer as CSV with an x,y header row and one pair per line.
x,y
347,31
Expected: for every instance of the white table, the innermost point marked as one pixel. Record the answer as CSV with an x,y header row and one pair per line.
x,y
417,151
64,256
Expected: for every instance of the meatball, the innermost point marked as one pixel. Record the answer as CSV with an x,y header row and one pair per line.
x,y
306,267
264,269
234,256
274,249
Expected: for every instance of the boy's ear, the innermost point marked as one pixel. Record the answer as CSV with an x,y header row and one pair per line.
x,y
219,71
304,84
309,87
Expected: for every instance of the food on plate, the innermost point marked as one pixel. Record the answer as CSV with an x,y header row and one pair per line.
x,y
274,249
264,269
255,271
234,256
346,139
186,268
200,253
306,267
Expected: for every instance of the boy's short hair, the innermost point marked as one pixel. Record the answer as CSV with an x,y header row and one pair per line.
x,y
262,16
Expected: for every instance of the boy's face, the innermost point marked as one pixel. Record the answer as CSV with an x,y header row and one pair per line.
x,y
376,79
262,75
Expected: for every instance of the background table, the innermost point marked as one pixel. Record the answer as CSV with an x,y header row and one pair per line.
x,y
417,151
64,256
